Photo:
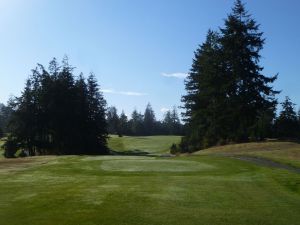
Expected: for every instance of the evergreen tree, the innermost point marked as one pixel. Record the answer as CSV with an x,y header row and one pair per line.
x,y
23,123
64,108
171,122
149,120
81,115
5,114
249,91
97,120
167,122
286,124
137,123
205,101
58,114
1,133
264,126
113,120
228,98
124,126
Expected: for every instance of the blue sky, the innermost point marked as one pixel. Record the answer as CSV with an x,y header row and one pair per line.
x,y
138,49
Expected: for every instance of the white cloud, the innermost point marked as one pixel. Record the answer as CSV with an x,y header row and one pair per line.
x,y
175,75
107,91
132,93
129,93
164,110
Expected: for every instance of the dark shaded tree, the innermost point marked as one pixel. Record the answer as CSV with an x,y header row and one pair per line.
x,y
228,98
287,123
5,114
171,123
149,120
205,101
124,124
58,114
136,123
97,121
250,92
113,120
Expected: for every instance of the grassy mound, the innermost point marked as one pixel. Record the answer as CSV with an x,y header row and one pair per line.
x,y
283,152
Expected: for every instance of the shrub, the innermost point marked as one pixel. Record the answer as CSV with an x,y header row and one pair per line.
x,y
23,154
174,150
10,148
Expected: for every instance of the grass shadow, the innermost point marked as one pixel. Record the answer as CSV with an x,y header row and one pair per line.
x,y
134,152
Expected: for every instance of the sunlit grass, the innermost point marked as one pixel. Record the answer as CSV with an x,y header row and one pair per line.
x,y
147,190
149,144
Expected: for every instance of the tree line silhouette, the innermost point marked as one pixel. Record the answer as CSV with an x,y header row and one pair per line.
x,y
144,124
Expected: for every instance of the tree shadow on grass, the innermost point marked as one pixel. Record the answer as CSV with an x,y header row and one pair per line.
x,y
134,152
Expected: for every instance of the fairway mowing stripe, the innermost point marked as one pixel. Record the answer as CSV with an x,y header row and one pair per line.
x,y
158,165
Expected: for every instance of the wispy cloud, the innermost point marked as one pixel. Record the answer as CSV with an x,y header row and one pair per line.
x,y
107,91
132,93
175,75
129,93
164,110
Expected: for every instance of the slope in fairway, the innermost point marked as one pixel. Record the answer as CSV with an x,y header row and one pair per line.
x,y
122,190
282,152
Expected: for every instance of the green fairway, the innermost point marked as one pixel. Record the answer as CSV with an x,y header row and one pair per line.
x,y
142,144
146,190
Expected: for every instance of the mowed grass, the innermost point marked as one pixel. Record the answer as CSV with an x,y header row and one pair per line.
x,y
142,144
283,152
146,190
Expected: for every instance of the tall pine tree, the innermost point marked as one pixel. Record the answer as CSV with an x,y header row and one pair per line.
x,y
249,91
228,98
149,120
206,95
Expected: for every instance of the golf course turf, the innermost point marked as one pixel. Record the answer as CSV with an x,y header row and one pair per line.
x,y
208,187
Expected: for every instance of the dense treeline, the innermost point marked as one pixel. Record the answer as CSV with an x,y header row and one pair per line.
x,y
144,124
58,113
228,98
5,114
287,124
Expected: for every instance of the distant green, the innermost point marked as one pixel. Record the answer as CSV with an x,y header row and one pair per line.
x,y
140,144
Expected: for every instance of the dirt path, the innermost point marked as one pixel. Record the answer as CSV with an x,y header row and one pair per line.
x,y
266,163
